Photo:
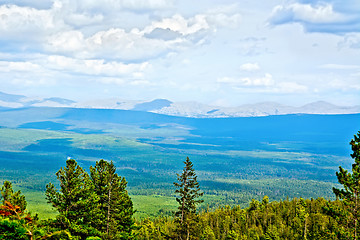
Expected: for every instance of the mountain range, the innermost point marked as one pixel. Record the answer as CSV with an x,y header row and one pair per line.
x,y
183,109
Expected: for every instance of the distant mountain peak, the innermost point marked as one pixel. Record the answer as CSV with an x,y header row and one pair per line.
x,y
319,104
153,105
6,97
60,100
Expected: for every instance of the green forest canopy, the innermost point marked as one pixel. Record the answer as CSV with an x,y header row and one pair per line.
x,y
97,206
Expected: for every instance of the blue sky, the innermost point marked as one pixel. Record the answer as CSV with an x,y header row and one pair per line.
x,y
215,52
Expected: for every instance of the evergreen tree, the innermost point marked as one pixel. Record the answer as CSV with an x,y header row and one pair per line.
x,y
15,222
114,207
188,191
15,198
74,200
350,193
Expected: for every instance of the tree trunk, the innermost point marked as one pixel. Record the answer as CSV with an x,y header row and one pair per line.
x,y
108,211
188,232
355,228
30,234
305,230
182,210
183,204
356,213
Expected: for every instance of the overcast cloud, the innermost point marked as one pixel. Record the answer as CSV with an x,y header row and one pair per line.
x,y
215,52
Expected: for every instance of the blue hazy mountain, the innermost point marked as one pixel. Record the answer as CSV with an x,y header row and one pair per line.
x,y
229,133
156,104
182,109
10,97
19,101
60,100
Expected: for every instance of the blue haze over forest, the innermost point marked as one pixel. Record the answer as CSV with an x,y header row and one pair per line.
x,y
236,158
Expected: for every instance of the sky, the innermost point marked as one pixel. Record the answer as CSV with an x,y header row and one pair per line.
x,y
218,52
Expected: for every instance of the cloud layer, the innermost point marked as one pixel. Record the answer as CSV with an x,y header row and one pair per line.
x,y
319,16
228,52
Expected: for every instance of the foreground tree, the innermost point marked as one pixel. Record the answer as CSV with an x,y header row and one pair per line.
x,y
350,193
189,192
15,221
15,198
114,213
74,200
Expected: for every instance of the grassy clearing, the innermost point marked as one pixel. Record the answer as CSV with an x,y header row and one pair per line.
x,y
145,205
37,204
153,205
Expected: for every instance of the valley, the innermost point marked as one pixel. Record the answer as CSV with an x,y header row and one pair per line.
x,y
236,159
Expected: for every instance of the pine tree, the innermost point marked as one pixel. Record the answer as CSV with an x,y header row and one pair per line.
x,y
350,193
74,200
17,222
115,209
15,198
188,191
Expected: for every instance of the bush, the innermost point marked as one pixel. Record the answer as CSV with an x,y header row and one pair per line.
x,y
12,230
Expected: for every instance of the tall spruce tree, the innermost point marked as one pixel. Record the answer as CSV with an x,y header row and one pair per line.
x,y
74,200
350,193
114,214
189,192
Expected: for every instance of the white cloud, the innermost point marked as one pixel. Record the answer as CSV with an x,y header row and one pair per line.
x,y
69,41
178,23
224,20
146,4
83,19
6,66
53,69
290,87
140,83
316,18
340,67
264,84
116,5
24,73
33,81
351,40
25,21
124,82
110,44
305,12
116,43
250,67
205,21
226,16
252,46
339,84
227,80
38,4
81,30
111,80
95,67
265,81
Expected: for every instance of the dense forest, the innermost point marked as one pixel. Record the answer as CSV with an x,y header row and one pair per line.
x,y
96,205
